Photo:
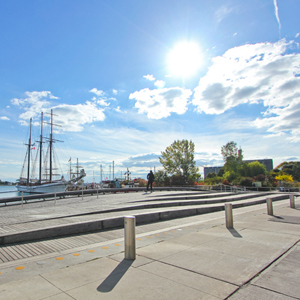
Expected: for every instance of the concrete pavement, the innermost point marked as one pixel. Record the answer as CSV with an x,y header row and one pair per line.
x,y
197,259
53,218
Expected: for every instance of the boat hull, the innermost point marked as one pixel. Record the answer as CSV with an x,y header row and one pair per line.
x,y
54,187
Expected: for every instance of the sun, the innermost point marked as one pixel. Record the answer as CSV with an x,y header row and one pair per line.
x,y
184,59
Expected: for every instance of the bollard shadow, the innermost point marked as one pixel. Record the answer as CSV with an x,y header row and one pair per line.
x,y
234,232
115,276
278,217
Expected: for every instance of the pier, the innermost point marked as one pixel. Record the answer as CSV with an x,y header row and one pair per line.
x,y
183,247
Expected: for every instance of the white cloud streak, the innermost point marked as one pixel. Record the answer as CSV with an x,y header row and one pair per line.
x,y
277,14
222,13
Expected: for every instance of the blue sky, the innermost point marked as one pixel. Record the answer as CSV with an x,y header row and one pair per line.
x,y
127,78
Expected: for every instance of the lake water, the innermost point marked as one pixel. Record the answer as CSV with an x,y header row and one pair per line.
x,y
7,191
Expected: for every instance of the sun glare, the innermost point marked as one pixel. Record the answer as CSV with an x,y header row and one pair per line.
x,y
184,59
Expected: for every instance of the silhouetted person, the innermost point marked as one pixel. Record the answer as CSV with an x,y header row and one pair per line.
x,y
150,178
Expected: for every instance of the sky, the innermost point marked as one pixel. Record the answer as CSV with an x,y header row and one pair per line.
x,y
125,79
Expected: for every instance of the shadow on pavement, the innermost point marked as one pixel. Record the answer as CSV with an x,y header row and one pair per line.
x,y
234,232
278,217
115,276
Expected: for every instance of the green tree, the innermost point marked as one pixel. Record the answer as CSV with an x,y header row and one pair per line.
x,y
232,157
178,159
296,171
221,172
255,168
211,175
161,178
213,180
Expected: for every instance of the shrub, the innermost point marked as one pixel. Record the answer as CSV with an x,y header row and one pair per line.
x,y
180,180
211,175
215,180
260,177
246,181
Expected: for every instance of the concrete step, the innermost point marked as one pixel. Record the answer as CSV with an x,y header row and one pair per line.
x,y
114,218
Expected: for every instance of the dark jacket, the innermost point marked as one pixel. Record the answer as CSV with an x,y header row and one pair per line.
x,y
150,177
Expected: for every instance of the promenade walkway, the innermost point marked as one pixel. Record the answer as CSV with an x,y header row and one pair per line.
x,y
194,257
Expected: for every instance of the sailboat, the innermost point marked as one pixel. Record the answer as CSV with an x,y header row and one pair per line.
x,y
46,182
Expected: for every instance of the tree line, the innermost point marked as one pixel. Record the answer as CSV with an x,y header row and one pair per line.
x,y
179,168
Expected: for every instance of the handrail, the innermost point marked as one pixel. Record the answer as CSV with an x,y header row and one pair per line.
x,y
78,193
87,192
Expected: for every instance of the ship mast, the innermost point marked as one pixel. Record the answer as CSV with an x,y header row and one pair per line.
x,y
51,144
51,141
41,152
29,150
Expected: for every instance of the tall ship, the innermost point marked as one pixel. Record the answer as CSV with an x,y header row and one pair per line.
x,y
47,180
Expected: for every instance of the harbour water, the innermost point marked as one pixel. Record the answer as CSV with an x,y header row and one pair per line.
x,y
7,191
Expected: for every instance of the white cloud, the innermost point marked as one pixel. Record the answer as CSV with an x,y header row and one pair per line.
x,y
279,120
159,83
72,117
115,92
4,118
262,72
250,73
101,98
161,103
33,103
297,34
149,77
276,13
102,102
118,109
97,92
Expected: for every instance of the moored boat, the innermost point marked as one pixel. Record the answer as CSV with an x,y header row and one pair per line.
x,y
47,181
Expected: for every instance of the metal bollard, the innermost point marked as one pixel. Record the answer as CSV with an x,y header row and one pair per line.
x,y
228,215
270,206
22,198
292,201
129,227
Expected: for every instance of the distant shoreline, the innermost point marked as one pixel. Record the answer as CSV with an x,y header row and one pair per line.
x,y
7,183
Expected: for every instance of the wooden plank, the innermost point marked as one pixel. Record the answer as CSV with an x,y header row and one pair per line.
x,y
43,247
50,247
14,251
9,255
3,256
36,248
23,250
31,249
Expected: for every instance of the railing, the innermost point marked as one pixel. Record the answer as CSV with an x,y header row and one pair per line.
x,y
82,192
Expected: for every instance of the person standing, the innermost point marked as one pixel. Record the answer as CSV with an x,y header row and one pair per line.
x,y
150,178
